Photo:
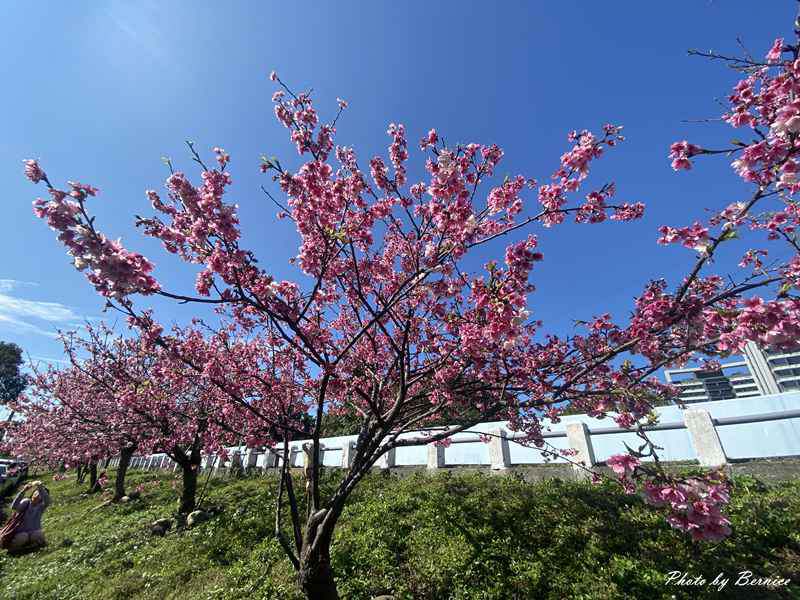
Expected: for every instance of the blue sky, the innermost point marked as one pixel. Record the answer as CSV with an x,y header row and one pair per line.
x,y
100,91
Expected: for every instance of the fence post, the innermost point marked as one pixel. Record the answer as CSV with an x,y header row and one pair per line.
x,y
217,464
270,458
250,459
236,463
293,452
499,452
347,454
435,456
387,460
705,439
580,440
209,462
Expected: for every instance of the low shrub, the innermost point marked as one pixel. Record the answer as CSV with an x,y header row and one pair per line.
x,y
459,536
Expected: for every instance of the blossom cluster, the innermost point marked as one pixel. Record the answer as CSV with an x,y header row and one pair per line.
x,y
114,271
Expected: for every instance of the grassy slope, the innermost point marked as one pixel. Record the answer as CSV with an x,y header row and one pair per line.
x,y
470,536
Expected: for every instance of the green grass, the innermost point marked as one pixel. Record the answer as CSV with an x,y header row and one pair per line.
x,y
449,536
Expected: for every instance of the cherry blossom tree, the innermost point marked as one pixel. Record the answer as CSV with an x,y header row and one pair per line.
x,y
65,423
161,404
119,397
387,321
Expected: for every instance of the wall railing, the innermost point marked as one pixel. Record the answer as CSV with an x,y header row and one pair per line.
x,y
703,430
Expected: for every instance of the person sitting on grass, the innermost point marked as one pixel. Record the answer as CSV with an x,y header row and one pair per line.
x,y
28,533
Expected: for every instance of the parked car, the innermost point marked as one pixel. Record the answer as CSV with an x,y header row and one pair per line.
x,y
10,473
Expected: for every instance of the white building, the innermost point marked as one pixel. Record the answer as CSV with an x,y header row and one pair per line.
x,y
761,373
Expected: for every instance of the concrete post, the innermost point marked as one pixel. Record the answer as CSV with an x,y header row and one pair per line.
x,y
704,438
208,462
348,453
219,466
250,460
386,460
236,464
499,452
435,456
580,440
293,452
270,459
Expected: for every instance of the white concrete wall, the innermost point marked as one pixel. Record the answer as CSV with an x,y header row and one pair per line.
x,y
751,440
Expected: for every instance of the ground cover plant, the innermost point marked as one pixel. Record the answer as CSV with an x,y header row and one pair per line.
x,y
460,536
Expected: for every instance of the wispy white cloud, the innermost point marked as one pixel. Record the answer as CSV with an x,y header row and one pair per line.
x,y
141,26
32,316
7,285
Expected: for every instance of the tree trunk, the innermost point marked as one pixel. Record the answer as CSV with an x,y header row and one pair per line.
x,y
80,476
125,456
315,573
105,464
93,487
189,487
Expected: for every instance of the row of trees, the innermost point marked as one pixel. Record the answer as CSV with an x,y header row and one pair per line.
x,y
387,324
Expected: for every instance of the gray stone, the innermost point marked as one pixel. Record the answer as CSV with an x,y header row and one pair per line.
x,y
196,517
125,499
165,524
159,531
